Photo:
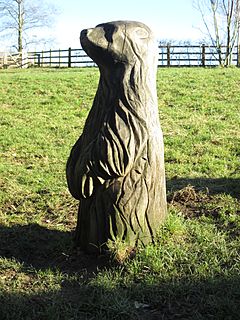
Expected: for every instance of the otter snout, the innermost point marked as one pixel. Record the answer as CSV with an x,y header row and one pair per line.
x,y
84,33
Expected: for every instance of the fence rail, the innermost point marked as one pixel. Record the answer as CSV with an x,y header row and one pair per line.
x,y
168,56
194,55
13,60
61,58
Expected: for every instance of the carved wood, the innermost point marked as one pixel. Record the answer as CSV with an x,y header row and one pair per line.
x,y
116,167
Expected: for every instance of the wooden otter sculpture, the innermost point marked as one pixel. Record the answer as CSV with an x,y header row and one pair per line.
x,y
116,168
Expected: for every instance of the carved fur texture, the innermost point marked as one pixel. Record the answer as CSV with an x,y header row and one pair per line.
x,y
116,167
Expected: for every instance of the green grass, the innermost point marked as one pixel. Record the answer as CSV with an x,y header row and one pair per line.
x,y
192,272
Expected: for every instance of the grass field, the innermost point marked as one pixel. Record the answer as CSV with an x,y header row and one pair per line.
x,y
192,272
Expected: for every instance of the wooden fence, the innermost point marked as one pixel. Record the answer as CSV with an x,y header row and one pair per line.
x,y
195,55
61,58
168,56
14,60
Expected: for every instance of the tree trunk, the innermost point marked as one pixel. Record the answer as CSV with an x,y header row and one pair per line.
x,y
229,17
216,29
20,26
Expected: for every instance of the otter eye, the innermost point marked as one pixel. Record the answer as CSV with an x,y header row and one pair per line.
x,y
141,33
109,30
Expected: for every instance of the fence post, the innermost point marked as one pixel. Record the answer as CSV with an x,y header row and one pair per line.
x,y
38,59
42,59
24,59
168,56
203,54
5,60
50,57
69,57
59,57
238,56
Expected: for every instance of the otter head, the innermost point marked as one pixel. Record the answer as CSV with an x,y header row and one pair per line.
x,y
118,42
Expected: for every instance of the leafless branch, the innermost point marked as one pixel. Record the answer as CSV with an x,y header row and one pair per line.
x,y
225,20
23,16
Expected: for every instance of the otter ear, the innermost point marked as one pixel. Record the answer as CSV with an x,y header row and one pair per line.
x,y
142,33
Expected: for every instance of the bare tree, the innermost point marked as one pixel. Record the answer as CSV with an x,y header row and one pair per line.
x,y
20,17
221,19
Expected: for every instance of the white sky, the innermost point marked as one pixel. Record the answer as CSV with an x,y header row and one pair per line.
x,y
171,19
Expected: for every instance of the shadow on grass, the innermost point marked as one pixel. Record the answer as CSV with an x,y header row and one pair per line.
x,y
85,297
177,299
44,248
229,186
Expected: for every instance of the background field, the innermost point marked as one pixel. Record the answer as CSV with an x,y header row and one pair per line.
x,y
192,273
